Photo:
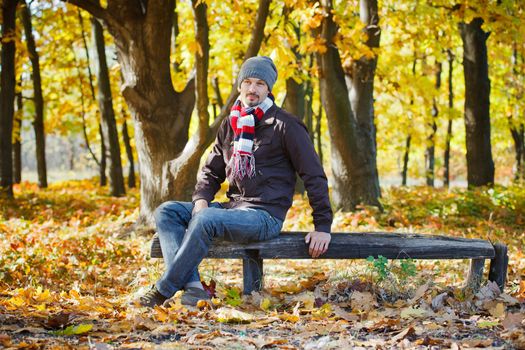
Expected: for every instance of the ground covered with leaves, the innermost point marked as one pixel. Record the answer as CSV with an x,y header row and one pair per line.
x,y
70,263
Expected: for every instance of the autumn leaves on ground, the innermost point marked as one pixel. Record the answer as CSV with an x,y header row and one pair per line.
x,y
70,263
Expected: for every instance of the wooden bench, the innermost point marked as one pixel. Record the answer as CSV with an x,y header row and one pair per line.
x,y
361,245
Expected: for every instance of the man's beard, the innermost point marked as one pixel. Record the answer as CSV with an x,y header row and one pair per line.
x,y
249,103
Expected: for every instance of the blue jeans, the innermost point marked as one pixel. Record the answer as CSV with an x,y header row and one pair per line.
x,y
185,240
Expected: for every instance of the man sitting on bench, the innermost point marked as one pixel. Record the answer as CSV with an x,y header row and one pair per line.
x,y
259,148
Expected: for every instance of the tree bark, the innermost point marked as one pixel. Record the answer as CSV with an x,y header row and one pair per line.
x,y
404,172
480,165
102,163
109,124
161,115
518,136
319,139
7,97
103,158
430,153
81,87
350,112
446,174
17,136
129,153
38,99
517,127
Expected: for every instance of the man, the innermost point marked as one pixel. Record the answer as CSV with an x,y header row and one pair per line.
x,y
259,148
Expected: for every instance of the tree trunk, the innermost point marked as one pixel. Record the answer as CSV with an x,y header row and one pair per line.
x,y
518,136
129,153
17,136
404,172
161,115
318,135
81,87
480,165
446,174
103,158
109,124
7,97
350,112
430,153
38,99
517,128
102,163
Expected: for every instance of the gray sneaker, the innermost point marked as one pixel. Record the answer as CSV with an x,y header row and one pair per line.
x,y
192,296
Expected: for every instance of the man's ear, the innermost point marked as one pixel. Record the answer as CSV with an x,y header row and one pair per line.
x,y
238,88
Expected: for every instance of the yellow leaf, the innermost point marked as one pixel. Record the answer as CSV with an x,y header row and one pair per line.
x,y
74,294
289,317
323,312
265,304
16,301
228,315
161,314
498,310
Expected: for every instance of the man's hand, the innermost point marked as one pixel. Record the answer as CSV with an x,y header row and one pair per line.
x,y
199,205
319,242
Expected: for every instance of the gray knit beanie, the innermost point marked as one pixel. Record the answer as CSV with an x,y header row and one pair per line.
x,y
260,67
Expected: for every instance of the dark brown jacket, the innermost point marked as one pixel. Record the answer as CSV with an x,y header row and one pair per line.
x,y
282,147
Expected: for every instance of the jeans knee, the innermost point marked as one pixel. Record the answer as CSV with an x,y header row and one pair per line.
x,y
204,222
170,210
160,212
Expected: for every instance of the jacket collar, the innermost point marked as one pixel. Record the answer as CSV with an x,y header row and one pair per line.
x,y
269,116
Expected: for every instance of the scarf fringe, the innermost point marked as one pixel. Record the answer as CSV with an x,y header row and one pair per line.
x,y
242,165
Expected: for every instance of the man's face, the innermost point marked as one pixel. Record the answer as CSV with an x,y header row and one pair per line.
x,y
253,91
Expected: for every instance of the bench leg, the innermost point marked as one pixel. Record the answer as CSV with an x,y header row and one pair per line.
x,y
475,274
252,272
498,265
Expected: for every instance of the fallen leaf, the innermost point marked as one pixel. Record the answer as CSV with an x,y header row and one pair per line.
x,y
497,310
289,317
407,332
323,312
74,330
508,299
439,301
339,312
512,321
229,315
317,344
487,324
420,292
489,291
265,304
411,312
362,301
477,343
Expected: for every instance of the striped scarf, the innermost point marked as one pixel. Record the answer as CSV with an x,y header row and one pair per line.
x,y
243,121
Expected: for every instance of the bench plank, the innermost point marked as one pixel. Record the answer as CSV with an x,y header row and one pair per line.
x,y
361,245
354,245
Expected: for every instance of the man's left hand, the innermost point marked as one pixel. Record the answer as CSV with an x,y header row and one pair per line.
x,y
319,242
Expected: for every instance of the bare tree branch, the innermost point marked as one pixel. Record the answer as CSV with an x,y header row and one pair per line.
x,y
258,29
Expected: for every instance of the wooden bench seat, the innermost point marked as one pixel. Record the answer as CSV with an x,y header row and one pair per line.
x,y
361,245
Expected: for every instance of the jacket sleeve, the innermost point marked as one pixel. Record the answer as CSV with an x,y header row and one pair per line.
x,y
305,160
213,173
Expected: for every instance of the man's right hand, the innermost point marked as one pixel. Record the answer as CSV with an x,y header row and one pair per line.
x,y
199,205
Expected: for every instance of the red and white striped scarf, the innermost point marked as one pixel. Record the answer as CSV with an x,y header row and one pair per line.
x,y
243,121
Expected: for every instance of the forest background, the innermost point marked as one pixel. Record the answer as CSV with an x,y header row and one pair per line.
x,y
393,94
